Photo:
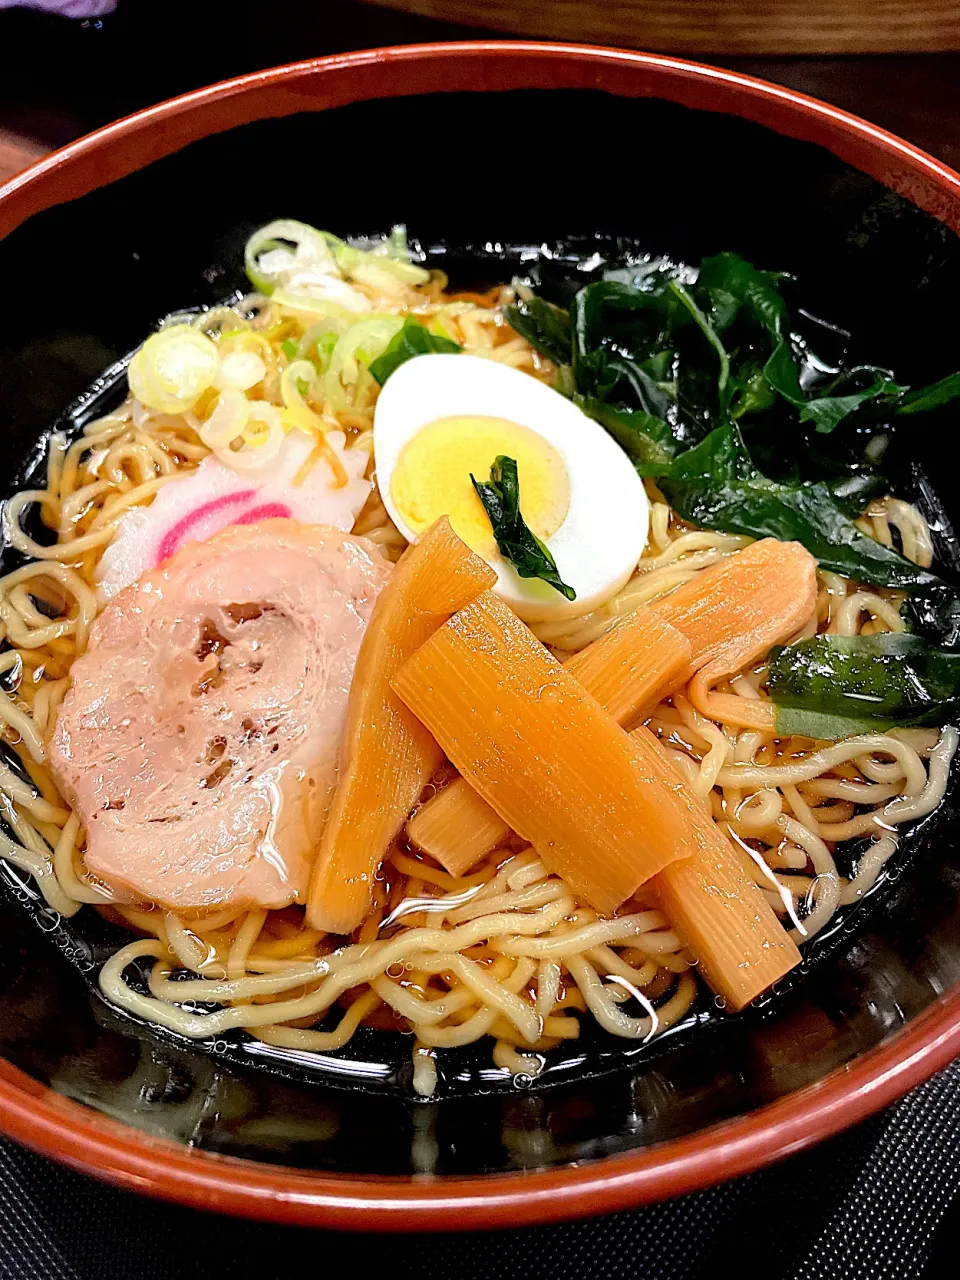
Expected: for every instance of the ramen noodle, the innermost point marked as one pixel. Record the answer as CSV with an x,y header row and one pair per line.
x,y
507,949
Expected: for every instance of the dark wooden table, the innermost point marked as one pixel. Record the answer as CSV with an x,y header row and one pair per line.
x,y
60,79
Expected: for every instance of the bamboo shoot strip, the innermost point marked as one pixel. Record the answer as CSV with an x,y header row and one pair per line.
x,y
547,757
457,827
758,598
740,945
386,754
627,670
633,665
731,614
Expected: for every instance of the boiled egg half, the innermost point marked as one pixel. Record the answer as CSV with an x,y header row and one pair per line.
x,y
442,418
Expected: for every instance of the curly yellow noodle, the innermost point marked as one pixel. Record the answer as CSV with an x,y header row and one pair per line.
x,y
506,952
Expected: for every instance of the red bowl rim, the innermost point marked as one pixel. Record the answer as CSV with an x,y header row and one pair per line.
x,y
67,1131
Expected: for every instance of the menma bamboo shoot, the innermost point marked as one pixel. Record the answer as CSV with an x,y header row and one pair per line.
x,y
627,670
633,665
386,754
457,827
727,923
601,813
733,612
730,615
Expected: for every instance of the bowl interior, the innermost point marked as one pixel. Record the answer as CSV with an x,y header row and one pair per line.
x,y
486,183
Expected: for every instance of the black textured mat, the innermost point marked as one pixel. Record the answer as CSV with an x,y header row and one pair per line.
x,y
878,1203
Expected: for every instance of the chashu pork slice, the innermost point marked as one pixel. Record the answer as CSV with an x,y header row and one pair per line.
x,y
198,739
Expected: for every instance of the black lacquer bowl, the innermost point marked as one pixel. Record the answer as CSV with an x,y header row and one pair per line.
x,y
490,154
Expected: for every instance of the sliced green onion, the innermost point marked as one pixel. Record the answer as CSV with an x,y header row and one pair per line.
x,y
227,422
354,261
262,439
406,271
439,321
244,434
173,368
297,408
355,351
241,369
335,310
320,312
317,345
310,245
306,249
384,283
392,257
395,245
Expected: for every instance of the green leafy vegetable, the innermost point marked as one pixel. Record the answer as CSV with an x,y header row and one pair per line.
x,y
643,349
646,439
708,331
620,326
827,412
736,288
717,486
707,385
854,493
936,613
752,393
545,327
835,686
290,348
933,397
412,340
517,542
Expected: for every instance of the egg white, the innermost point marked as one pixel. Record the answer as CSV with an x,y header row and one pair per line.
x,y
605,530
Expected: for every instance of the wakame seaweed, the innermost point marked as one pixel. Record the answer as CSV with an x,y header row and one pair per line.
x,y
834,686
716,485
704,381
516,541
544,326
412,340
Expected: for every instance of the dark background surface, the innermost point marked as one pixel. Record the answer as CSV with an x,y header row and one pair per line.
x,y
878,1201
60,79
872,1204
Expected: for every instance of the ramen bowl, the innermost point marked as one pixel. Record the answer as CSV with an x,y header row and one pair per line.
x,y
488,152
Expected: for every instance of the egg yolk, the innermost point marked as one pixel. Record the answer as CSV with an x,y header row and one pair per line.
x,y
432,478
